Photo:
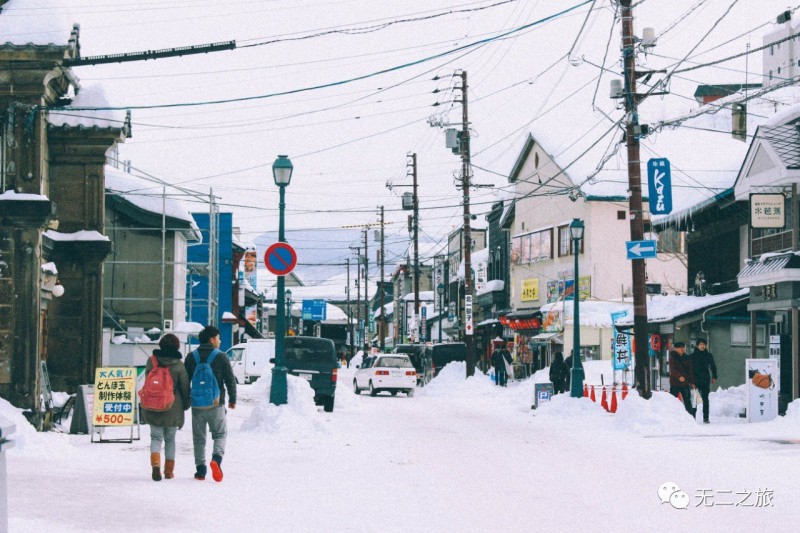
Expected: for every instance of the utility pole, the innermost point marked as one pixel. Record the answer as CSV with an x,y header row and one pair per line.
x,y
417,316
366,291
382,326
358,291
632,130
469,338
349,315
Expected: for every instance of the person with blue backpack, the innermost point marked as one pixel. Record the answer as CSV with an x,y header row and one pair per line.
x,y
210,374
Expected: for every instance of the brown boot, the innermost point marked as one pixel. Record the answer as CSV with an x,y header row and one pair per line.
x,y
155,462
169,468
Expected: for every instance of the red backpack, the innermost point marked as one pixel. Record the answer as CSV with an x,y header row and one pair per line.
x,y
158,392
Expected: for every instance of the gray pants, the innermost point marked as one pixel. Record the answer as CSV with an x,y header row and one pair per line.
x,y
216,421
159,434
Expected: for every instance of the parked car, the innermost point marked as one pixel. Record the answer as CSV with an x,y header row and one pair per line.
x,y
314,359
446,352
249,360
420,359
386,372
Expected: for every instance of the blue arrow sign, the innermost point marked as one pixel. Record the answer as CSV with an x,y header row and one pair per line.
x,y
641,249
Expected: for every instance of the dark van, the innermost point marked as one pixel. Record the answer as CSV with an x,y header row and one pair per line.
x,y
421,361
446,352
314,359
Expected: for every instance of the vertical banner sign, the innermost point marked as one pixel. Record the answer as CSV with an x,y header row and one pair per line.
x,y
762,379
468,327
659,182
114,396
424,323
621,344
480,278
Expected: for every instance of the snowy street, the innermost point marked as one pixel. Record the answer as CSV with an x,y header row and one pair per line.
x,y
459,456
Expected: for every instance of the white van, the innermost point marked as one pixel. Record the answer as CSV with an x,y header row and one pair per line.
x,y
251,359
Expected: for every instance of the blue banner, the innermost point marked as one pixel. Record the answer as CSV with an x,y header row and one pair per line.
x,y
621,345
659,181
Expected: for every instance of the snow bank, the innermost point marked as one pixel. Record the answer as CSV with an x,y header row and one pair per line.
x,y
569,410
661,414
31,443
298,418
792,411
451,380
728,402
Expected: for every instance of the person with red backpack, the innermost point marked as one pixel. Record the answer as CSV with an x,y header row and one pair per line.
x,y
164,398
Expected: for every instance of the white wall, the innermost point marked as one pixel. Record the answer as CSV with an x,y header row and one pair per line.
x,y
780,60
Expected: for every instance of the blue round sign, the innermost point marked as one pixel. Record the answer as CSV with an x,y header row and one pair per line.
x,y
280,258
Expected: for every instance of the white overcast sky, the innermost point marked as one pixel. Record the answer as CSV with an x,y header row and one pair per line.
x,y
347,141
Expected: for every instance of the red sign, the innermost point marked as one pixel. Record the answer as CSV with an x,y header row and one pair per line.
x,y
280,258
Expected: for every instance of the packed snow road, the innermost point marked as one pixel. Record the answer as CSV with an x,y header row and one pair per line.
x,y
462,455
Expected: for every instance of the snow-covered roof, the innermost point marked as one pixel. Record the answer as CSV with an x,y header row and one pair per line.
x,y
595,313
33,22
147,196
82,236
15,196
50,268
491,286
423,296
478,256
89,96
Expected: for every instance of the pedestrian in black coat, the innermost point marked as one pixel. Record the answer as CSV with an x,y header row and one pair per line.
x,y
499,358
705,373
568,363
558,373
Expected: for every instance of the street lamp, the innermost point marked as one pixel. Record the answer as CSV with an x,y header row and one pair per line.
x,y
576,388
282,173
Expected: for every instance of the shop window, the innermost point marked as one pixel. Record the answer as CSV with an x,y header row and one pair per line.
x,y
740,334
564,241
542,245
670,241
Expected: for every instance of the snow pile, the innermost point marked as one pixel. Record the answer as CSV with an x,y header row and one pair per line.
x,y
793,412
728,402
31,443
451,380
121,339
568,410
298,418
661,414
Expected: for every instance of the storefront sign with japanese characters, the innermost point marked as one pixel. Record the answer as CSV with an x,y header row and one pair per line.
x,y
114,396
762,379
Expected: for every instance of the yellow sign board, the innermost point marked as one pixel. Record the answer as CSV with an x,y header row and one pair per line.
x,y
530,290
114,396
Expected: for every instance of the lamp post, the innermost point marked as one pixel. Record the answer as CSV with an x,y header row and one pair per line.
x,y
576,388
282,173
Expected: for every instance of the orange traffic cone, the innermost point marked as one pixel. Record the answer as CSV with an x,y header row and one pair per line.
x,y
604,400
585,390
613,400
593,397
624,390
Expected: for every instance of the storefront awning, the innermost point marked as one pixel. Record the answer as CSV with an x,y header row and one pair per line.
x,y
548,337
771,269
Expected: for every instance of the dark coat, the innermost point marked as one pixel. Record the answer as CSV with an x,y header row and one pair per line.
x,y
221,368
680,366
704,367
558,373
174,416
498,357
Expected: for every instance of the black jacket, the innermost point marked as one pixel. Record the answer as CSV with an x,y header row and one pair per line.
x,y
704,367
221,368
558,373
498,357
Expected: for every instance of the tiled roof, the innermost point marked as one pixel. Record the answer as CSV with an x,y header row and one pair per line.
x,y
785,140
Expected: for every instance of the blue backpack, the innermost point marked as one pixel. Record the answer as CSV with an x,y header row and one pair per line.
x,y
205,390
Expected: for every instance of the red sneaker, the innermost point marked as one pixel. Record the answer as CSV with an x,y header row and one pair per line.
x,y
216,471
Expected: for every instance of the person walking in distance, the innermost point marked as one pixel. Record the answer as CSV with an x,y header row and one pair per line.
x,y
164,398
705,373
500,357
681,377
210,374
558,373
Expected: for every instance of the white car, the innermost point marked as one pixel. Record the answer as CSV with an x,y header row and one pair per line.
x,y
386,372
